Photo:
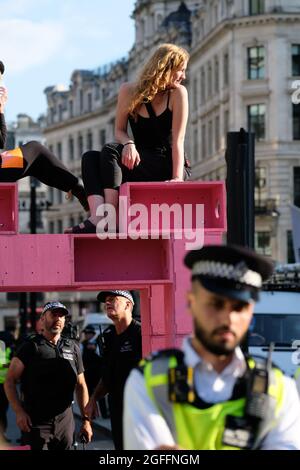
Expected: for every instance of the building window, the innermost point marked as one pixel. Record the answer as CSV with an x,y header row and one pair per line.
x,y
226,69
59,226
51,194
202,85
210,138
97,92
203,140
256,7
60,112
226,123
263,243
195,152
256,62
297,186
290,247
215,14
102,137
59,197
59,150
52,115
90,141
195,94
296,60
80,145
51,227
260,188
256,120
81,100
89,97
71,148
209,79
296,121
217,133
71,110
216,75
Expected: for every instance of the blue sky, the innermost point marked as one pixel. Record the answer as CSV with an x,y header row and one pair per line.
x,y
43,41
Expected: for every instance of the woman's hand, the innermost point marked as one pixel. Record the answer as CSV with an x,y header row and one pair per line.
x,y
177,179
130,156
3,98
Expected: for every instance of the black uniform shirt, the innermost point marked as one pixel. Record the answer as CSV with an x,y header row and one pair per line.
x,y
50,376
121,354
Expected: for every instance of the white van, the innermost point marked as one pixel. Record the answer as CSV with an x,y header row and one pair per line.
x,y
94,320
277,319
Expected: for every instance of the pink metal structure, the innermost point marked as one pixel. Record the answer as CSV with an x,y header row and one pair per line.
x,y
83,262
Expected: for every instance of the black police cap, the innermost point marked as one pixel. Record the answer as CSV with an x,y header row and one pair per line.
x,y
230,270
122,293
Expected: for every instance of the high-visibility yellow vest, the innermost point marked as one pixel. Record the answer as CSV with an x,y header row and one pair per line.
x,y
5,355
195,428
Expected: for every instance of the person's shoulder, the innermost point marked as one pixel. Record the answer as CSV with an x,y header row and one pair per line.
x,y
109,333
136,325
28,345
165,354
126,89
179,92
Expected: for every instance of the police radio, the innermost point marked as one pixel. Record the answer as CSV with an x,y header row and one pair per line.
x,y
181,384
245,432
257,401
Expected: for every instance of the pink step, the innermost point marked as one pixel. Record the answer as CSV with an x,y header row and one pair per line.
x,y
209,194
9,214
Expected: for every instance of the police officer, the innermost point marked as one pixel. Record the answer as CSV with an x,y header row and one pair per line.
x,y
297,378
210,395
7,342
93,363
122,352
50,369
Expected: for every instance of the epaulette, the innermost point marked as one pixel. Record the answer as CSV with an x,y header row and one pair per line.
x,y
162,353
165,353
261,360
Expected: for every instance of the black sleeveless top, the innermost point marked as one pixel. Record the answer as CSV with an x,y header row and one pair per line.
x,y
145,130
3,131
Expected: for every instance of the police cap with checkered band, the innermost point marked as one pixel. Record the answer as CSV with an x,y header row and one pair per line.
x,y
229,270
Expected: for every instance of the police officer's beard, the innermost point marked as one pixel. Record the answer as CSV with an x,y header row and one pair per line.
x,y
213,347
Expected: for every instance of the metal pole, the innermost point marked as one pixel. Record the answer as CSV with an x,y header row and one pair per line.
x,y
23,312
33,209
240,188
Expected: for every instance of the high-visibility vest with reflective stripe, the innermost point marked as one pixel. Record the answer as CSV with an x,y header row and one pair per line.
x,y
200,429
297,373
4,361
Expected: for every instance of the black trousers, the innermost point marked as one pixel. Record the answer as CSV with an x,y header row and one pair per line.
x,y
103,170
43,165
3,409
54,434
116,419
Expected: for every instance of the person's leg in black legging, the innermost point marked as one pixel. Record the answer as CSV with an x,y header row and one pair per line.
x,y
97,176
103,173
44,166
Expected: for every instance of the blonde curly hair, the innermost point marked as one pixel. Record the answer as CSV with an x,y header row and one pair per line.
x,y
156,74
